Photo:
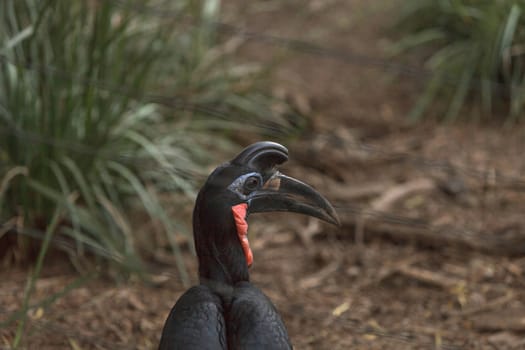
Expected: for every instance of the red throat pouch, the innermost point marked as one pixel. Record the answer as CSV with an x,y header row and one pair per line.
x,y
239,215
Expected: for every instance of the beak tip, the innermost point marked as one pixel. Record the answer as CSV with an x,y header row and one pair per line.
x,y
334,219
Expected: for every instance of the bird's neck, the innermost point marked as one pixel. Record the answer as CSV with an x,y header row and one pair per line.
x,y
221,256
220,267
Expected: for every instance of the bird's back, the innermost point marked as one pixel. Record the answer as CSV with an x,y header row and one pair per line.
x,y
253,322
196,322
235,318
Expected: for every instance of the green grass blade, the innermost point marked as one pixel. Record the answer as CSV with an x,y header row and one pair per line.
x,y
34,276
156,212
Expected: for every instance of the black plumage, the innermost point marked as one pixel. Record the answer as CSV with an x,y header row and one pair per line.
x,y
226,311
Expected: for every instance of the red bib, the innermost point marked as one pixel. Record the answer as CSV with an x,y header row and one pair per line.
x,y
239,215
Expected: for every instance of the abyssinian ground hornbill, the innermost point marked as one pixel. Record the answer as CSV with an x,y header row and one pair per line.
x,y
226,311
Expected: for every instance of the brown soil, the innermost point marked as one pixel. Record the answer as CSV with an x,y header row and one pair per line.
x,y
430,254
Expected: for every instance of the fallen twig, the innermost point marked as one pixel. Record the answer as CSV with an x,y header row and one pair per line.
x,y
388,199
430,277
487,306
317,278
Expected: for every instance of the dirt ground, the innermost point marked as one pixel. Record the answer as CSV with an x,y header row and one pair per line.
x,y
431,251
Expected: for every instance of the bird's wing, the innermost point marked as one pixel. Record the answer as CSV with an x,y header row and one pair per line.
x,y
253,322
195,322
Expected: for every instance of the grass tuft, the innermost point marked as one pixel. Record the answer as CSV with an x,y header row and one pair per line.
x,y
474,50
108,115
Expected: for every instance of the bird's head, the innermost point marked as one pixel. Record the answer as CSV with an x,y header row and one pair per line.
x,y
249,183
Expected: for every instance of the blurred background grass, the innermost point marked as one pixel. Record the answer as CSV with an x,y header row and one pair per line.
x,y
106,113
475,51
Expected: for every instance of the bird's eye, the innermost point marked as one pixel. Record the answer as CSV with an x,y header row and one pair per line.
x,y
251,183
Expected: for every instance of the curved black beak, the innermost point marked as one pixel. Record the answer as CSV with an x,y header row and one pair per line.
x,y
284,193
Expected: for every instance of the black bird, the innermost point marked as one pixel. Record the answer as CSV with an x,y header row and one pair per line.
x,y
226,311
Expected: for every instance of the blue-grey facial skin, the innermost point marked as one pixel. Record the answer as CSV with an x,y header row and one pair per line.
x,y
238,185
